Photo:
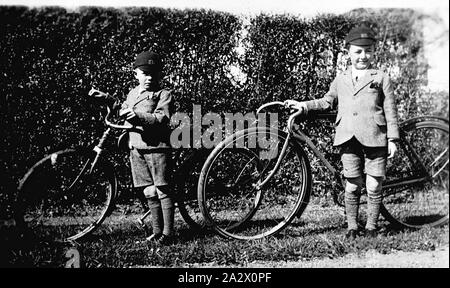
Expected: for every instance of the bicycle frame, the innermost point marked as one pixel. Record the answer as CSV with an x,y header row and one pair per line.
x,y
413,157
295,132
301,137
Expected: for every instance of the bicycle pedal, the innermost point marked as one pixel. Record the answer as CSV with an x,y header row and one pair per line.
x,y
141,223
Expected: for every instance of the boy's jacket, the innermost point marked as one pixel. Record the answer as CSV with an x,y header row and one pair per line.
x,y
153,110
366,110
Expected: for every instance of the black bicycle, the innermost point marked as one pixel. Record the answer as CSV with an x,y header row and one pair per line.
x,y
256,181
69,193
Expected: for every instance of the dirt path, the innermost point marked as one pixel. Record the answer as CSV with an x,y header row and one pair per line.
x,y
373,259
438,258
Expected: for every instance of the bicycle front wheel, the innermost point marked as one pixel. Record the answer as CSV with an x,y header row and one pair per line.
x,y
416,188
63,197
238,198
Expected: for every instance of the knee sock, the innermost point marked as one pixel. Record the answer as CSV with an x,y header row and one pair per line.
x,y
168,212
156,214
374,197
352,195
351,209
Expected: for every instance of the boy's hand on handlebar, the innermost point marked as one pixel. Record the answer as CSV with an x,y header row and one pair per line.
x,y
292,104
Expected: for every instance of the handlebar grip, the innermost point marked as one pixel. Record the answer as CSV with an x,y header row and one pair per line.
x,y
117,126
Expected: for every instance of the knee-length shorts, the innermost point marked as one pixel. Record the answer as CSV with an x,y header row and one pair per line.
x,y
358,159
149,169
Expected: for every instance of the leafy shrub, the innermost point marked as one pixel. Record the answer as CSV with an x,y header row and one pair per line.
x,y
52,57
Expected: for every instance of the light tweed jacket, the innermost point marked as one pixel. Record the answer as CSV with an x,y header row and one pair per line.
x,y
366,110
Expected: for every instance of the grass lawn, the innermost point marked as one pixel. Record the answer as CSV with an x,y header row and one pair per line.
x,y
318,234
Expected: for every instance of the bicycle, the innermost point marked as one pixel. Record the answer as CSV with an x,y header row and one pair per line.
x,y
264,187
69,193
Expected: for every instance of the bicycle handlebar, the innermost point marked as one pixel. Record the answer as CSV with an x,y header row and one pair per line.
x,y
291,117
102,95
269,104
117,126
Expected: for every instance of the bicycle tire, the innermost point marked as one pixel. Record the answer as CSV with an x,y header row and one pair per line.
x,y
233,204
185,188
62,198
424,142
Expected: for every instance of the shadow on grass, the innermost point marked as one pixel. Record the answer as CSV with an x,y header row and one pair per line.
x,y
307,228
132,232
391,229
21,248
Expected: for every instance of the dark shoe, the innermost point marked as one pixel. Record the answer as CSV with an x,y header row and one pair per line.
x,y
164,240
351,234
372,233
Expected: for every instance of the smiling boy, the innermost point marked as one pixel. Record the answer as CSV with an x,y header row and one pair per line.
x,y
366,126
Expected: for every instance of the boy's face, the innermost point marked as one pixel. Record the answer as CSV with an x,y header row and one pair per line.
x,y
361,56
147,80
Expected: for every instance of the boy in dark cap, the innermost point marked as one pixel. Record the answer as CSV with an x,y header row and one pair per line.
x,y
148,107
366,126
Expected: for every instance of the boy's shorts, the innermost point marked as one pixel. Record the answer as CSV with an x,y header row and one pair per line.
x,y
357,159
149,169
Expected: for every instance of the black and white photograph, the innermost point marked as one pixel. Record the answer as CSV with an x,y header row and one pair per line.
x,y
231,140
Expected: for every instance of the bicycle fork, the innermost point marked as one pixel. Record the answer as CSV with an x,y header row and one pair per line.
x,y
99,148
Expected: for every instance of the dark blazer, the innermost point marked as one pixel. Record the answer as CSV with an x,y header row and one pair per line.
x,y
366,111
153,111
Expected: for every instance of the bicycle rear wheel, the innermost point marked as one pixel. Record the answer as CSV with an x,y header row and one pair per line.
x,y
232,199
416,188
63,198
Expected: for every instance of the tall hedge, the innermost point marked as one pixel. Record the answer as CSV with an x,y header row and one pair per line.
x,y
51,57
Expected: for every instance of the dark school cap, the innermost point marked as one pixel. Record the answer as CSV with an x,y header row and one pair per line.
x,y
148,61
361,36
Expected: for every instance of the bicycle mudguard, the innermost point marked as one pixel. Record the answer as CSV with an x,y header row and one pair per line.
x,y
423,118
123,141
